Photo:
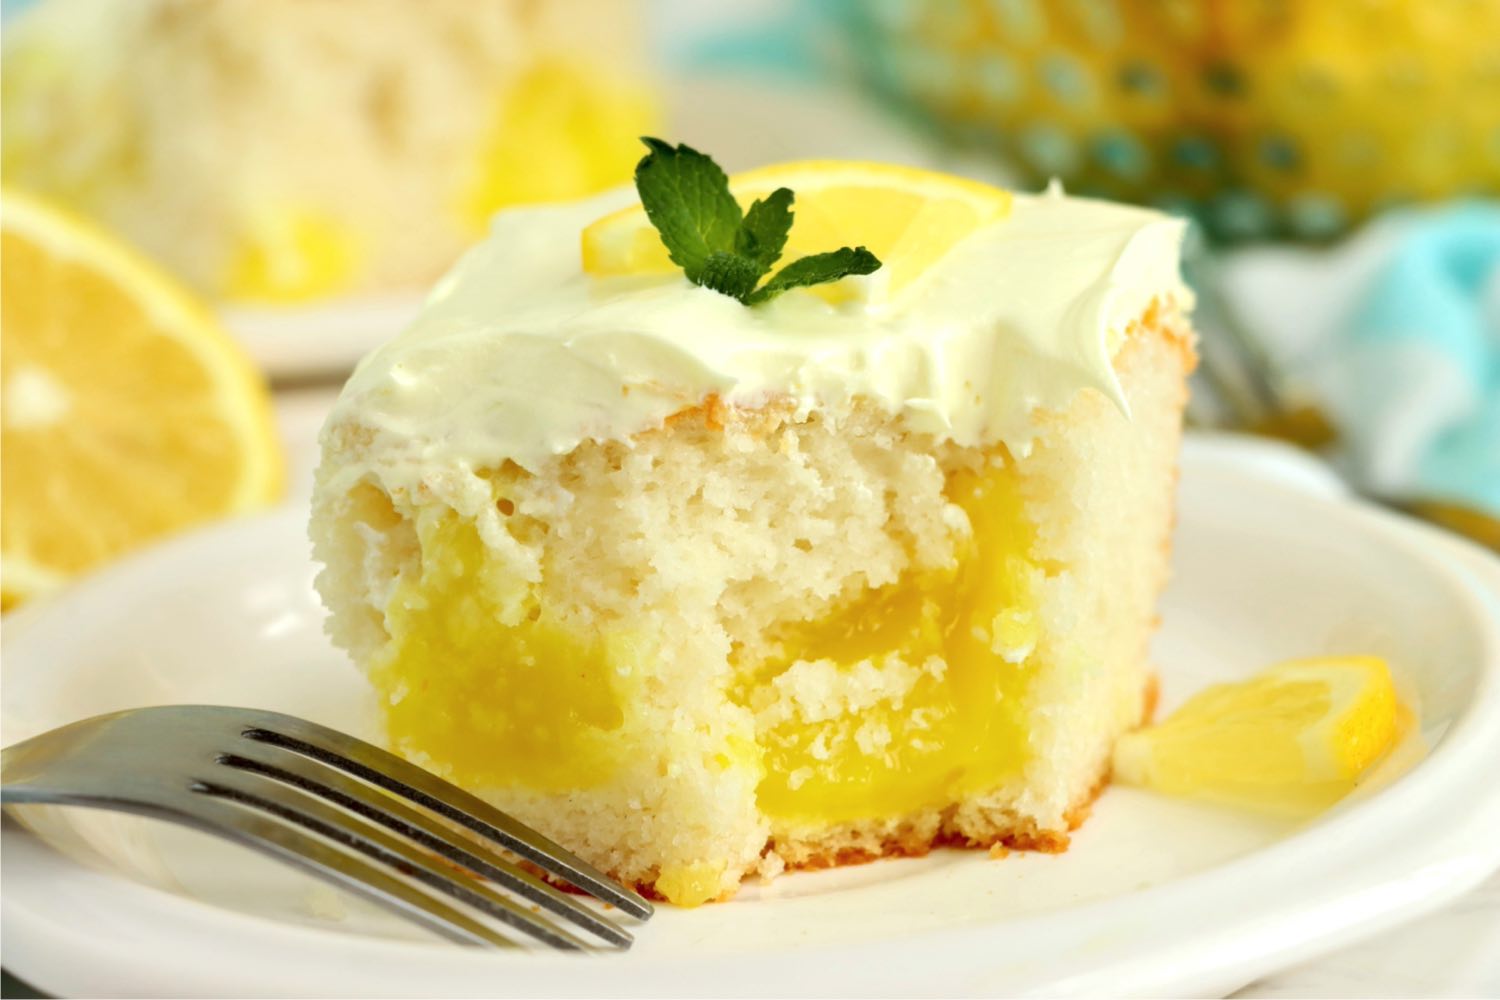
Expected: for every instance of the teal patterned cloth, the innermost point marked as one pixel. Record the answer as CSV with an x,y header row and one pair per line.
x,y
10,8
1412,374
1395,333
1427,329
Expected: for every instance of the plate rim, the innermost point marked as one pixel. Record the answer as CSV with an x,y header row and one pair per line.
x,y
301,341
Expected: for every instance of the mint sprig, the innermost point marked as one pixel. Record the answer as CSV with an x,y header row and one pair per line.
x,y
687,199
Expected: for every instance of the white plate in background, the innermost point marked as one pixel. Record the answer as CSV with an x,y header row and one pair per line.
x,y
320,340
1155,897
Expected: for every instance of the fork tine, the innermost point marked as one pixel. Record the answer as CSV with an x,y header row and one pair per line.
x,y
459,845
344,871
307,811
379,767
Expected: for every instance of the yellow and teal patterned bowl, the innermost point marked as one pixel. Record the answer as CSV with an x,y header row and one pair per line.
x,y
1264,118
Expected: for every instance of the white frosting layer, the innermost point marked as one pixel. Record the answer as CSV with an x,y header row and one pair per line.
x,y
520,355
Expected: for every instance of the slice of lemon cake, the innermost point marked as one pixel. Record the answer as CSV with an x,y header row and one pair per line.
x,y
704,588
291,150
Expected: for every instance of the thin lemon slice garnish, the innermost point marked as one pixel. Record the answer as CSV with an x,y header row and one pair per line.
x,y
909,218
1297,737
126,412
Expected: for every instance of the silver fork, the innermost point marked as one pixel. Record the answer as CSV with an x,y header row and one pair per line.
x,y
329,804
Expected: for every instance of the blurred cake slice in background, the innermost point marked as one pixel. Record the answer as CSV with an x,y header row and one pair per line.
x,y
287,150
704,589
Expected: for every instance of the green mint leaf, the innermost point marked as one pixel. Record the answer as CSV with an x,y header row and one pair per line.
x,y
686,197
762,235
817,269
730,274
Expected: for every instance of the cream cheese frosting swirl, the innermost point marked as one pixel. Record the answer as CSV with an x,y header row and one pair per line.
x,y
520,355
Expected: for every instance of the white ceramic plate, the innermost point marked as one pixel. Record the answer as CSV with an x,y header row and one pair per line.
x,y
296,343
1155,896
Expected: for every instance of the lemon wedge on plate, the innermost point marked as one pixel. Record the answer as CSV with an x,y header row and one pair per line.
x,y
907,217
1294,739
125,411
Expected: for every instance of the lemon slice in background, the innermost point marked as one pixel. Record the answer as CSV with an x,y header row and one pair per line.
x,y
125,411
909,218
1293,739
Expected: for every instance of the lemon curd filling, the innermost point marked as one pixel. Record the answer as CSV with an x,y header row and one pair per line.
x,y
292,255
965,635
560,130
481,682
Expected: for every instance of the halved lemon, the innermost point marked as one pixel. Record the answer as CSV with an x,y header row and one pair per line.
x,y
1295,738
125,411
907,217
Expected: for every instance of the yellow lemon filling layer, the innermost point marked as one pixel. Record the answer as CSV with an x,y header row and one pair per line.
x,y
481,682
561,130
965,635
293,255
